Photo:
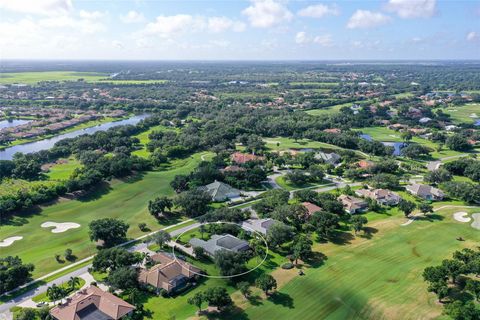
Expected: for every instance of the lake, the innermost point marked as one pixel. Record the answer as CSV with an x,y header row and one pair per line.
x,y
45,144
12,123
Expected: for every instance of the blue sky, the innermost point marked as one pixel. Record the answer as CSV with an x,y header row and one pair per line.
x,y
239,30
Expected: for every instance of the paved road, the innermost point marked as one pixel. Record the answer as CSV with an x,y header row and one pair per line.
x,y
4,308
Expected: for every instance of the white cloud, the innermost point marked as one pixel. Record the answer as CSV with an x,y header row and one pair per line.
x,y
117,44
220,24
472,36
319,11
266,13
412,8
132,17
91,15
43,7
367,19
301,37
323,40
166,26
84,26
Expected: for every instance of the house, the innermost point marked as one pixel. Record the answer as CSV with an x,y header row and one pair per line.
x,y
220,191
220,242
330,158
382,196
365,164
92,303
333,130
311,208
258,225
232,169
425,191
352,204
169,274
241,158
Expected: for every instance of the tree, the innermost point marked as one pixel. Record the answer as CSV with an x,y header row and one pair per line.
x,y
123,278
385,181
406,206
179,183
325,223
406,136
194,202
438,176
13,273
161,237
244,288
230,263
425,207
358,222
73,282
474,287
159,206
55,293
297,177
114,258
25,314
458,142
218,297
69,254
302,248
111,231
199,252
414,151
266,282
279,233
196,300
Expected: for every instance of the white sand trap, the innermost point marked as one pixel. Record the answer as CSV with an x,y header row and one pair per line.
x,y
473,115
461,216
476,221
9,241
60,227
393,136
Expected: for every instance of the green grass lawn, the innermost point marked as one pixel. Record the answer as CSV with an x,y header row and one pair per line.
x,y
329,110
378,278
313,84
282,144
126,199
462,113
63,171
289,187
143,137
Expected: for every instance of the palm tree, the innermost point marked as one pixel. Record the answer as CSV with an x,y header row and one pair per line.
x,y
73,282
55,292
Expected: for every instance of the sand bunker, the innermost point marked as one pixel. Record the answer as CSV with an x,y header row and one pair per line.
x,y
473,115
60,227
461,216
9,241
476,221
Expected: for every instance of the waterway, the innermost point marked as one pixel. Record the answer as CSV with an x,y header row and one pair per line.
x,y
45,144
12,123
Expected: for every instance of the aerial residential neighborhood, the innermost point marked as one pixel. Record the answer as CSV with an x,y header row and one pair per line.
x,y
240,160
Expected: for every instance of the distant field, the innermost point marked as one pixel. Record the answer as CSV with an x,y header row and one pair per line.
x,y
143,137
313,84
280,143
35,77
246,95
463,113
403,95
329,110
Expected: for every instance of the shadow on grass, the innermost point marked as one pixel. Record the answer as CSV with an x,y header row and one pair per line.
x,y
19,218
317,259
341,238
232,313
255,300
282,299
102,189
430,217
368,232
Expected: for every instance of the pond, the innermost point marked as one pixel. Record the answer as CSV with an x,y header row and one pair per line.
x,y
45,144
397,146
12,123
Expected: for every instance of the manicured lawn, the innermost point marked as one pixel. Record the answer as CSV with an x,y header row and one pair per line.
x,y
332,109
281,144
126,199
313,84
143,137
63,171
378,278
463,113
289,187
